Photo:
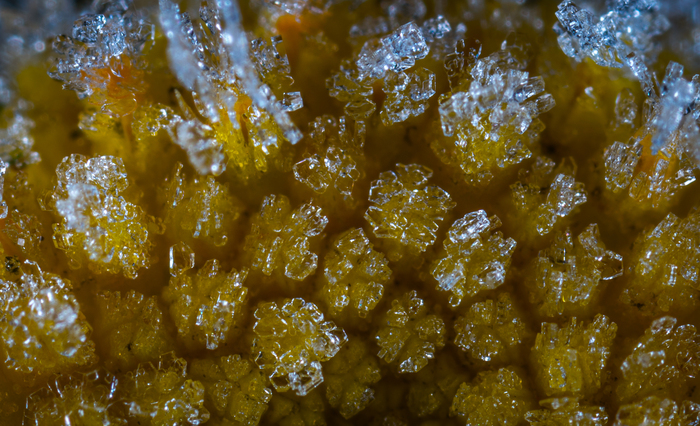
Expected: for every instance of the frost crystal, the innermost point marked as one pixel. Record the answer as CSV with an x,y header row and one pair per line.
x,y
43,330
565,278
97,223
281,238
81,399
291,341
349,376
570,360
404,209
16,140
665,265
489,120
656,411
491,331
386,59
102,59
567,411
407,95
621,37
132,329
203,207
410,337
207,306
396,52
661,157
662,363
354,274
432,389
234,387
494,398
159,394
346,86
335,163
291,409
545,193
475,258
235,85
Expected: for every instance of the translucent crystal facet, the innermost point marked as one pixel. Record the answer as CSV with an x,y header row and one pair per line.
x,y
203,208
475,259
43,330
102,60
280,238
160,393
354,274
410,337
85,399
489,120
133,329
493,398
569,360
98,225
235,389
349,377
405,209
665,264
334,165
546,194
567,411
208,305
566,277
491,331
662,362
291,341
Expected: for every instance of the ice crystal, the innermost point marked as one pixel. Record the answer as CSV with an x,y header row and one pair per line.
x,y
43,330
475,259
207,306
405,209
656,411
202,207
433,388
349,376
16,140
228,77
235,389
347,86
662,362
354,274
567,411
661,157
280,238
132,329
494,398
291,409
410,337
623,36
566,277
158,394
395,52
102,58
491,331
407,95
570,360
387,58
334,165
84,399
489,120
665,264
546,194
97,224
291,341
